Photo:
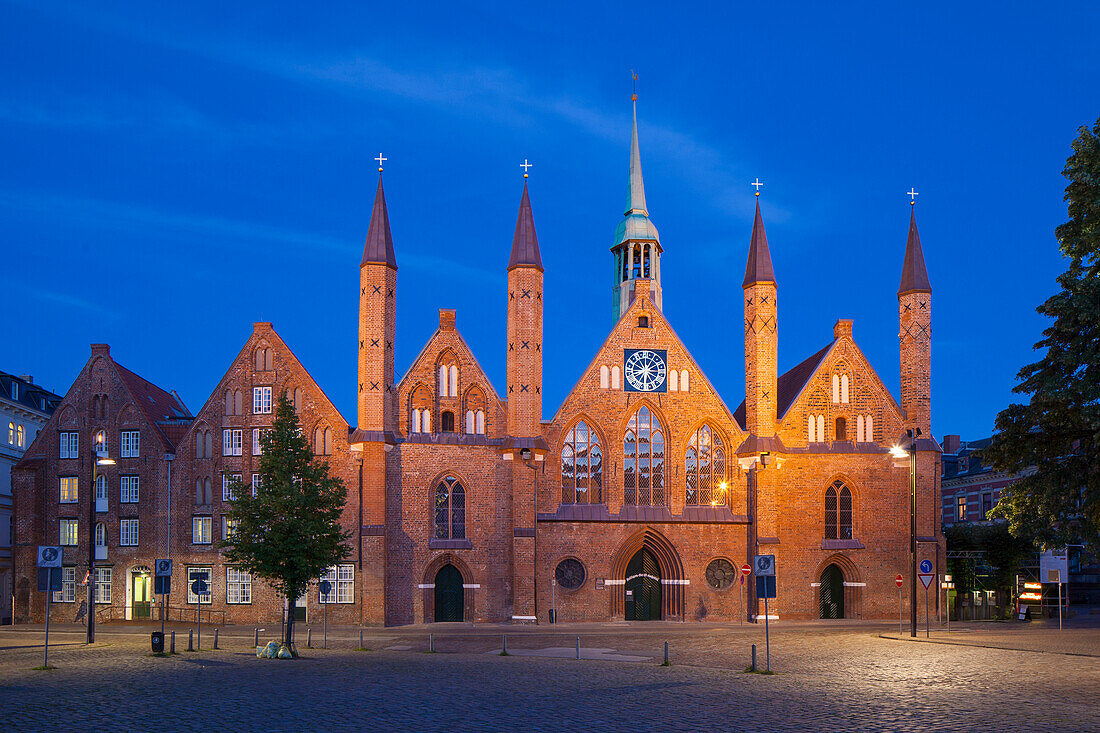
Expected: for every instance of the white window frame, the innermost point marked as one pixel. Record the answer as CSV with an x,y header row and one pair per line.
x,y
103,586
202,529
131,444
261,400
74,495
128,489
342,578
255,483
238,586
232,441
69,445
128,533
62,524
228,478
194,573
255,441
67,594
227,534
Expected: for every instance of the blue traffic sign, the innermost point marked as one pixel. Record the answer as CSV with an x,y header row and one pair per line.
x,y
765,586
926,566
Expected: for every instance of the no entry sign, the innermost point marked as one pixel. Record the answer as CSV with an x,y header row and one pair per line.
x,y
898,579
745,569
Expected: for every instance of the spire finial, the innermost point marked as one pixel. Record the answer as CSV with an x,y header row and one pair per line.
x,y
633,86
758,184
381,159
912,194
525,165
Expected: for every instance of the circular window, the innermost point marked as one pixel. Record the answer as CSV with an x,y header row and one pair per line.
x,y
721,574
570,574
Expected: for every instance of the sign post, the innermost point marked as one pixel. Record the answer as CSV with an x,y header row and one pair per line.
x,y
326,586
745,570
49,559
162,586
199,588
765,587
947,585
898,580
926,577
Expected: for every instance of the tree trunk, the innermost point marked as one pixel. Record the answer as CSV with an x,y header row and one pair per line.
x,y
289,639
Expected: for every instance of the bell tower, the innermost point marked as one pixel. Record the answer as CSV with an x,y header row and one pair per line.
x,y
377,321
761,334
915,332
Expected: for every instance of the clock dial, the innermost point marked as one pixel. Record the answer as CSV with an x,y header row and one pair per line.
x,y
645,370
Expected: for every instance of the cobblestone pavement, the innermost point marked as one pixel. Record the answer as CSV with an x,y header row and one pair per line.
x,y
839,676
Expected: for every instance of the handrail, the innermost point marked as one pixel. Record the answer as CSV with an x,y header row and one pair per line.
x,y
186,614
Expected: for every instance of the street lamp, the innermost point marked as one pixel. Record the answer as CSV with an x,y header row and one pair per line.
x,y
99,458
899,452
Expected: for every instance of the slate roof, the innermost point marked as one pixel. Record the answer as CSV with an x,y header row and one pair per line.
x,y
790,385
758,269
379,245
164,409
525,242
914,274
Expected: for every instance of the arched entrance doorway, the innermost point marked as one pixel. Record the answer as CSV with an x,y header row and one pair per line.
x,y
643,587
832,592
140,592
448,594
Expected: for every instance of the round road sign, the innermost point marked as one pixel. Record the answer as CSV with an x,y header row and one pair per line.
x,y
898,579
926,566
745,569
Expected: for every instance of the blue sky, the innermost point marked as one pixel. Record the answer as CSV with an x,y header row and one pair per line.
x,y
173,174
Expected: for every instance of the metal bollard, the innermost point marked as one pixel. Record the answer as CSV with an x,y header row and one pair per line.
x,y
504,645
754,657
190,640
256,639
309,638
215,638
172,649
361,639
666,653
431,644
578,647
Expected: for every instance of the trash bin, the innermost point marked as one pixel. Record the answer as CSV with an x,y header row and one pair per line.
x,y
553,615
158,642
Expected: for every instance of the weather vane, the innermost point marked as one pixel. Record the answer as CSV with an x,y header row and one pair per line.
x,y
633,86
380,160
758,184
525,165
912,193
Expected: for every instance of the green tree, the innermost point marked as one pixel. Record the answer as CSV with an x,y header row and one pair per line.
x,y
1004,554
289,532
1058,431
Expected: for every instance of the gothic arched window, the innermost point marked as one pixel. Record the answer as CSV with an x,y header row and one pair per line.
x,y
581,466
450,509
705,468
644,460
838,512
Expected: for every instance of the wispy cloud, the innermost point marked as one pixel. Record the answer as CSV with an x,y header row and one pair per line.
x,y
67,300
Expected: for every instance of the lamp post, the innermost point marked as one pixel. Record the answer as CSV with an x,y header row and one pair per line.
x,y
99,458
899,452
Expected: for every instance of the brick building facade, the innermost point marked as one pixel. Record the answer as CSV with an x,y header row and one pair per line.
x,y
640,498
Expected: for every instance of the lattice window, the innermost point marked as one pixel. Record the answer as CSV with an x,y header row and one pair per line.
x,y
705,468
644,460
581,466
838,512
450,509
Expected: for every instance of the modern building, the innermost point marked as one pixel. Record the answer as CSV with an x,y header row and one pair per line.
x,y
639,497
24,408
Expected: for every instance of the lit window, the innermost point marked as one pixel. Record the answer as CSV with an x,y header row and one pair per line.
x,y
342,581
960,510
261,400
103,585
705,468
67,594
11,433
69,444
229,527
193,574
238,586
128,489
131,443
128,532
200,530
581,466
68,489
644,460
68,532
21,437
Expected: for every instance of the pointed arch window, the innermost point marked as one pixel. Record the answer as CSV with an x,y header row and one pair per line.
x,y
705,468
838,512
644,460
450,509
581,466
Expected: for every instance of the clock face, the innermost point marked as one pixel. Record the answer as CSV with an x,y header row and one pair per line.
x,y
645,370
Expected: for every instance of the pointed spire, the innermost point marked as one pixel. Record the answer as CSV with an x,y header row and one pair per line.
x,y
636,192
759,267
914,275
379,245
525,243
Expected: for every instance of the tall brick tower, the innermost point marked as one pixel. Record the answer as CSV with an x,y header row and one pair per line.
x,y
637,248
915,334
377,321
761,335
524,365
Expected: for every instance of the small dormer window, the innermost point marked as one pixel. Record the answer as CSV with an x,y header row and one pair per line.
x,y
643,321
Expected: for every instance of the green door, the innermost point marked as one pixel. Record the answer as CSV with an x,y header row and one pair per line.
x,y
140,595
448,594
643,587
832,593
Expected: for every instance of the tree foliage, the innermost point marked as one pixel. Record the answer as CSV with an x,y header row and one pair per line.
x,y
1058,431
1004,555
289,532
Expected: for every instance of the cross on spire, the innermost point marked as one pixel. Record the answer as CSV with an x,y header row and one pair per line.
x,y
525,165
758,184
912,194
381,159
